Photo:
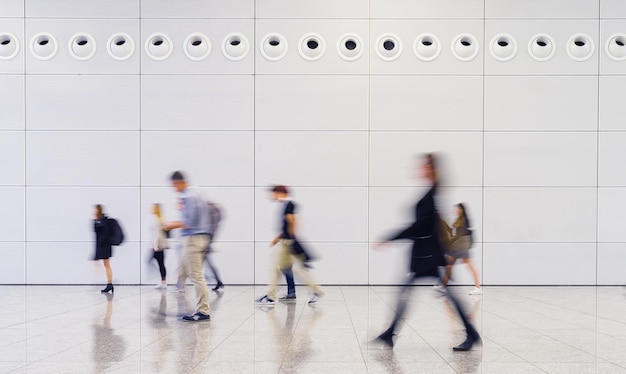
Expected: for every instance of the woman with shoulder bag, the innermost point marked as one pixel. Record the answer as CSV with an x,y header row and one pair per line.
x,y
160,243
459,244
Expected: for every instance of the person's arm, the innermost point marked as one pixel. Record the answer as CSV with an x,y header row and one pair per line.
x,y
291,224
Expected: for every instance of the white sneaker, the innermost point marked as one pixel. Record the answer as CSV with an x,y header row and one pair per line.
x,y
161,286
265,300
439,288
313,299
476,291
179,291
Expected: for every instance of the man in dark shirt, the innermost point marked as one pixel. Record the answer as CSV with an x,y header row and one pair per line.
x,y
288,256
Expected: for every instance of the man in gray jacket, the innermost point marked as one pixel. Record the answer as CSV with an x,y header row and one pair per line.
x,y
195,235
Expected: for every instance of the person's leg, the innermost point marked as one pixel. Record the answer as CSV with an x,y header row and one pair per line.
x,y
283,263
472,336
159,256
213,269
305,275
405,292
182,269
472,268
291,284
194,250
446,276
109,271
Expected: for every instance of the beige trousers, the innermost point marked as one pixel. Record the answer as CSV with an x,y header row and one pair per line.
x,y
191,265
287,260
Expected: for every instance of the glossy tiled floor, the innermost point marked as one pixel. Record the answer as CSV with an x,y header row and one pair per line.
x,y
63,329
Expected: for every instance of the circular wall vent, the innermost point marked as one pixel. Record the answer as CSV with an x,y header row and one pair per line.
x,y
580,47
120,46
235,46
197,47
350,47
427,47
388,47
541,47
159,46
273,47
44,46
82,46
9,46
615,47
503,47
311,47
465,47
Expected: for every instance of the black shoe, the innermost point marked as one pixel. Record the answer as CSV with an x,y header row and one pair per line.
x,y
469,342
218,286
287,298
197,317
386,339
108,288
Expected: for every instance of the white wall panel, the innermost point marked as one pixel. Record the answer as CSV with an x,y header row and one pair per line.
x,y
339,263
612,110
12,8
611,156
15,27
541,9
308,9
236,203
611,258
101,30
86,102
391,265
395,157
12,114
540,159
407,32
72,264
533,215
337,158
523,32
541,103
612,9
12,214
13,265
65,214
539,264
178,30
325,214
426,8
610,222
82,158
197,9
82,9
330,30
608,28
426,103
208,158
192,102
12,158
291,102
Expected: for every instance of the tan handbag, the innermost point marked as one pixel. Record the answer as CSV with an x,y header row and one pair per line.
x,y
161,242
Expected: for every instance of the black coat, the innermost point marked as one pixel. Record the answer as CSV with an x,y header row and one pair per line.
x,y
103,246
427,253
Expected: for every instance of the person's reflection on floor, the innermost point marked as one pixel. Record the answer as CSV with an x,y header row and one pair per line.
x,y
107,346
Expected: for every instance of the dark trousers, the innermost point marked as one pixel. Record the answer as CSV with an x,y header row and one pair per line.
x,y
404,296
159,256
291,285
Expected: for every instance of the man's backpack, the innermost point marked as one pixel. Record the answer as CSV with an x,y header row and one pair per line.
x,y
215,217
116,235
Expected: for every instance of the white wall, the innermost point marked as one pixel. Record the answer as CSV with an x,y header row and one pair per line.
x,y
533,147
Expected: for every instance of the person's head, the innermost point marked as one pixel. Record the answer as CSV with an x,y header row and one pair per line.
x,y
460,210
178,181
429,167
279,192
156,210
98,211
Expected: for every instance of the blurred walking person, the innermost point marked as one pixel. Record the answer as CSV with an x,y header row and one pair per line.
x,y
159,243
291,254
104,251
460,242
195,236
427,255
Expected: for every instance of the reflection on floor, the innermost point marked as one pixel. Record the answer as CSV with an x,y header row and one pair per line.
x,y
75,329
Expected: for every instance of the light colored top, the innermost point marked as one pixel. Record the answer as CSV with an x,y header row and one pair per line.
x,y
195,215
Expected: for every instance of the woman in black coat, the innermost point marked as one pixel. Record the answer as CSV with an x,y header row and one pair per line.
x,y
427,255
103,245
